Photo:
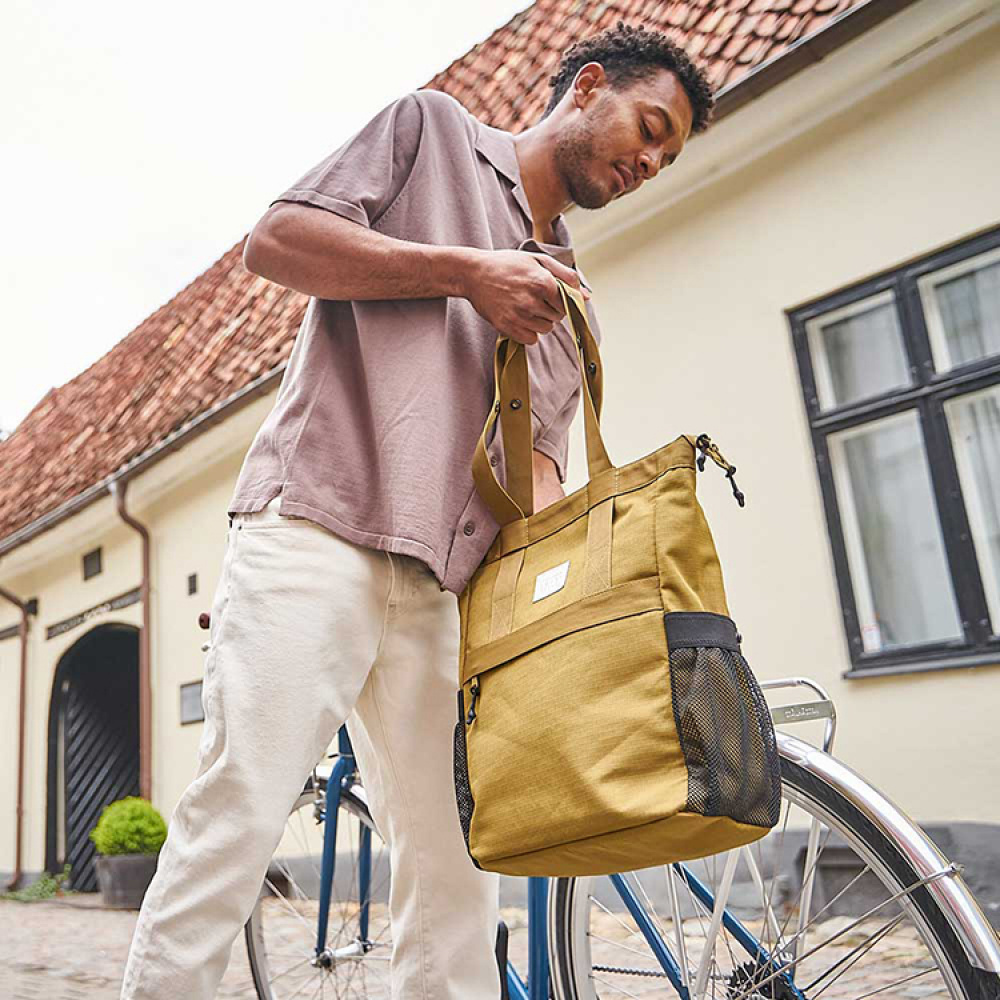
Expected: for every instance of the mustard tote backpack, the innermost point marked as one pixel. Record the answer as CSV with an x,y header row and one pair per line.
x,y
608,720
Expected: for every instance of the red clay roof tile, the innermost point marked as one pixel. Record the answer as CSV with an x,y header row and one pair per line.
x,y
228,327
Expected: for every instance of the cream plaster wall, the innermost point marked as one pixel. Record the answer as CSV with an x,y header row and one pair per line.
x,y
62,592
691,304
182,501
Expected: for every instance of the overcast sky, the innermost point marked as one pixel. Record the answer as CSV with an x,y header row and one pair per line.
x,y
139,143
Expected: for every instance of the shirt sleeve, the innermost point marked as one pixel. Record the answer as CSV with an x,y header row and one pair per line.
x,y
363,177
553,440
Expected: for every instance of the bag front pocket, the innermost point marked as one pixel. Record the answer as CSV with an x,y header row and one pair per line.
x,y
722,720
573,739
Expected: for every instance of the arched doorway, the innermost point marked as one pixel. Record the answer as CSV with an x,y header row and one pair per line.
x,y
93,744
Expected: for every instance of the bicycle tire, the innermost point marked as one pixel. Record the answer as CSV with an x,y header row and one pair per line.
x,y
967,981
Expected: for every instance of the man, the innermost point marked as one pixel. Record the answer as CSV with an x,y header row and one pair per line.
x,y
355,522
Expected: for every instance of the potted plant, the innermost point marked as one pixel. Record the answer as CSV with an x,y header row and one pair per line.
x,y
128,838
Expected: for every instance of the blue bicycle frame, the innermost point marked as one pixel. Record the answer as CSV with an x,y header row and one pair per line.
x,y
536,987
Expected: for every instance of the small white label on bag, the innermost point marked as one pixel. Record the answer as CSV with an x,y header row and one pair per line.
x,y
550,581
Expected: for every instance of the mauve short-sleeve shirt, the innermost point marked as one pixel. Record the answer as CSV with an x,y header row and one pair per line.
x,y
382,402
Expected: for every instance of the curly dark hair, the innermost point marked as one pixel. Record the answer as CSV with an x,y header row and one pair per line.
x,y
631,53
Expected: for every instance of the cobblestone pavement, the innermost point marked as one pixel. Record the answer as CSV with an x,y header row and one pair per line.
x,y
75,949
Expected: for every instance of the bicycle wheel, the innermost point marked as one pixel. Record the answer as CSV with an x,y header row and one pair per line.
x,y
281,932
826,905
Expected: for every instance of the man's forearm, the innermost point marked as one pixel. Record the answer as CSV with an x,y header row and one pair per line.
x,y
545,477
322,254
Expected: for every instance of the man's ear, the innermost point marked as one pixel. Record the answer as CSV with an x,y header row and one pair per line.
x,y
587,84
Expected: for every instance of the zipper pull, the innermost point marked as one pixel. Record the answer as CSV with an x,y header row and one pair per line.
x,y
738,493
471,717
704,442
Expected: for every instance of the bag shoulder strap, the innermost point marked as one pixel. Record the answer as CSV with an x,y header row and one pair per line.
x,y
512,403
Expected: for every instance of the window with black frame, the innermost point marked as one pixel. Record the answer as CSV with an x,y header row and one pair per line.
x,y
901,381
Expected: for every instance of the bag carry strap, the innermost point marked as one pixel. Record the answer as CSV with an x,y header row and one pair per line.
x,y
512,403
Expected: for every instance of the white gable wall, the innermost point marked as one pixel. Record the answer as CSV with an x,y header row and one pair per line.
x,y
692,307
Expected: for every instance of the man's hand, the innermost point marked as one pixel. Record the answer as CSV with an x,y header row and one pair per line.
x,y
516,292
545,477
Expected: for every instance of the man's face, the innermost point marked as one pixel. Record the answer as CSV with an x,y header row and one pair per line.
x,y
618,139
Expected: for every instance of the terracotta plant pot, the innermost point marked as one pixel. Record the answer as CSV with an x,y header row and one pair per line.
x,y
124,878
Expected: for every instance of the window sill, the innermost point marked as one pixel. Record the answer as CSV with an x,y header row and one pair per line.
x,y
966,662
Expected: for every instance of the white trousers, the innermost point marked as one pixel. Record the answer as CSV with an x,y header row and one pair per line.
x,y
308,631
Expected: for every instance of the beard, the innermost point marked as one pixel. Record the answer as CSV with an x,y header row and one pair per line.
x,y
576,152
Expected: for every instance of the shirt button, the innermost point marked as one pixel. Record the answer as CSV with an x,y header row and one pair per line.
x,y
469,528
494,460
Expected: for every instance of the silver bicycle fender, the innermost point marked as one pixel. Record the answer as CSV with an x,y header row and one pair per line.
x,y
946,884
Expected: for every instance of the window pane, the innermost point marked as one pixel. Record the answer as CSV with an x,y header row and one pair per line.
x,y
974,422
857,352
902,586
191,703
962,307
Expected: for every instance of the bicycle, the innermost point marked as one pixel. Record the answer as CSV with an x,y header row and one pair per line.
x,y
846,897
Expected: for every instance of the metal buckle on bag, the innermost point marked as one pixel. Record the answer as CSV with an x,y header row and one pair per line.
x,y
704,442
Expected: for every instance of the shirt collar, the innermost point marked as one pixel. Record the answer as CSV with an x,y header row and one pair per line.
x,y
498,147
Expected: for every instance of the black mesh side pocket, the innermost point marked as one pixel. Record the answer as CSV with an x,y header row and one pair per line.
x,y
463,793
722,720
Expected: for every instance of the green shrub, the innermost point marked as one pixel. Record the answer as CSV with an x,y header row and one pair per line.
x,y
129,826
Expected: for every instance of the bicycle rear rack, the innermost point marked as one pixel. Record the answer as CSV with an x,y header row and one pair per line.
x,y
809,711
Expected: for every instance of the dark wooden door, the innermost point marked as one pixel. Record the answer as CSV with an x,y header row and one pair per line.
x,y
100,741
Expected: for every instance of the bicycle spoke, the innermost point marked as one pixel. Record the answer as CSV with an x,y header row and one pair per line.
x,y
304,842
756,868
285,972
724,931
354,892
856,879
849,960
619,944
778,934
841,932
304,984
649,903
908,979
808,873
291,909
614,986
599,904
815,921
682,960
708,960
